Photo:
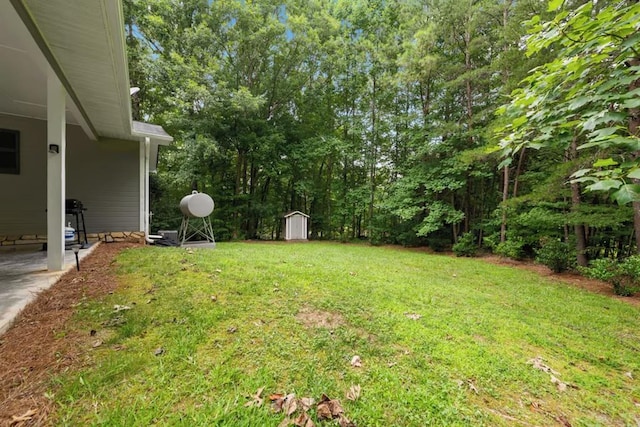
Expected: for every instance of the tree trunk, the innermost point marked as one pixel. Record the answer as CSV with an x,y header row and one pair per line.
x,y
505,196
373,160
516,177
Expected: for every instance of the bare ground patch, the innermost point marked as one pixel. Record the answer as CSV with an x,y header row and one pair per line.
x,y
311,318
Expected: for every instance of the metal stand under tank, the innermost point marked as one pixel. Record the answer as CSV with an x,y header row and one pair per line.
x,y
196,209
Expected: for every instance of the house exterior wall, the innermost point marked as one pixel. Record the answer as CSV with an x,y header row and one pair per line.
x,y
103,175
296,227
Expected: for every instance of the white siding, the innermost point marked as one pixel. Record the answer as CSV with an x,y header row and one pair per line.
x,y
103,175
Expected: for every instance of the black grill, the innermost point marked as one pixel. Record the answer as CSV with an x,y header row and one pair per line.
x,y
74,207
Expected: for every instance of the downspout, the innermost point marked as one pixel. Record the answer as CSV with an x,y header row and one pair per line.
x,y
147,149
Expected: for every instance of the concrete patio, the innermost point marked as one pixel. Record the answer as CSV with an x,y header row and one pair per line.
x,y
23,274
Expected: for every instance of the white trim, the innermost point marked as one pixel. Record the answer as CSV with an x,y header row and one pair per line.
x,y
296,213
147,144
114,18
56,179
141,182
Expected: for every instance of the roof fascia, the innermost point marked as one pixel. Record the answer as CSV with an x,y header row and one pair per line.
x,y
114,17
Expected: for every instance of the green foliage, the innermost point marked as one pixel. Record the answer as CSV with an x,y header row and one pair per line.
x,y
623,275
555,254
583,94
511,248
377,117
466,246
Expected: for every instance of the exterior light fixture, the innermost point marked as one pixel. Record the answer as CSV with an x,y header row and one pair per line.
x,y
76,249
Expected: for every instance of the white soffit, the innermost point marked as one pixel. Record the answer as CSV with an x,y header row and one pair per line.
x,y
23,72
86,40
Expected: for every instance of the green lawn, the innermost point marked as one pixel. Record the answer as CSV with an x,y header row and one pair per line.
x,y
290,317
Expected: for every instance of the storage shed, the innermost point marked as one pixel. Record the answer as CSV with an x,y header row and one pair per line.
x,y
296,226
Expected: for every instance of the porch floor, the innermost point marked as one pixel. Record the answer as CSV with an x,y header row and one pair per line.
x,y
23,274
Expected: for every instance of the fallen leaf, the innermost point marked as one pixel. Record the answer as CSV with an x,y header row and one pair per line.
x,y
302,420
472,386
391,364
118,307
329,408
232,329
97,344
256,399
563,421
290,404
539,364
356,362
285,422
354,392
159,351
214,298
559,384
277,400
344,422
119,347
307,403
27,416
413,316
628,375
217,270
323,410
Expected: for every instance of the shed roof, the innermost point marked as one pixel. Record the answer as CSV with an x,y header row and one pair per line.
x,y
290,214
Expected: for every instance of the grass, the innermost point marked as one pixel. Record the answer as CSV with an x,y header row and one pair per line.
x,y
464,362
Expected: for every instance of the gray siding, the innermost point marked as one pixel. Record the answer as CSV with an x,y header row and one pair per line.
x,y
103,175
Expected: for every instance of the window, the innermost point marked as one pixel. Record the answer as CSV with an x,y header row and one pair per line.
x,y
9,151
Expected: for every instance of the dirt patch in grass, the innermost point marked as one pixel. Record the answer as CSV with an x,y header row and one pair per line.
x,y
38,344
311,318
574,279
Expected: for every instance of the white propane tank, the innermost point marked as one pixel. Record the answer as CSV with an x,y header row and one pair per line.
x,y
196,205
69,233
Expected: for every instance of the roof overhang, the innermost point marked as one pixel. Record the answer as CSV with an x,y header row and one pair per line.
x,y
83,41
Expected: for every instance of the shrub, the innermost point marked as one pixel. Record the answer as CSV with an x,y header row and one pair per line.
x,y
513,248
554,254
438,244
624,275
466,246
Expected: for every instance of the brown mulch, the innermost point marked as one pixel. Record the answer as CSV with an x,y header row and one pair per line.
x,y
574,279
38,344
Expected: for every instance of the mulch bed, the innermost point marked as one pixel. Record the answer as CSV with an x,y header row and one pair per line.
x,y
573,279
38,344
